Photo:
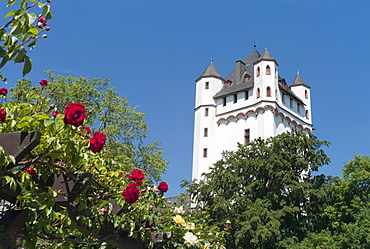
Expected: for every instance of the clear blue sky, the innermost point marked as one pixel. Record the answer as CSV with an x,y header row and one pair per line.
x,y
154,50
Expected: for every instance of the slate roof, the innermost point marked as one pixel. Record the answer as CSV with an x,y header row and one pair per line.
x,y
265,56
237,85
210,71
298,81
288,91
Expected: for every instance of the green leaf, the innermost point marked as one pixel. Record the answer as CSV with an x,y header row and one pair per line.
x,y
20,55
33,31
10,13
41,115
10,3
27,65
3,78
31,17
45,10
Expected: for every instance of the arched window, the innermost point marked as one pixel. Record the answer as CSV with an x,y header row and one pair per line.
x,y
258,93
276,73
258,71
307,115
268,91
306,94
268,70
246,78
276,95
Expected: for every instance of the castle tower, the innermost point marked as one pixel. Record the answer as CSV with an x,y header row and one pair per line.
x,y
252,101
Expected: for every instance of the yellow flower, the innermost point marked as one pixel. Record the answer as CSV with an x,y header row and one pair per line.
x,y
179,220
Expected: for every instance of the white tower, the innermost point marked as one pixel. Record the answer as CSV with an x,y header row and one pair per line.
x,y
252,101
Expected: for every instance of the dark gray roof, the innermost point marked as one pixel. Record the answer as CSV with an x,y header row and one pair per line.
x,y
288,91
237,85
298,81
210,71
266,57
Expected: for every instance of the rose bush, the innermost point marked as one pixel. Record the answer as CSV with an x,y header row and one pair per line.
x,y
163,187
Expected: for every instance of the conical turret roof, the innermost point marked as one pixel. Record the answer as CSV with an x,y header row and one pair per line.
x,y
298,81
265,56
210,71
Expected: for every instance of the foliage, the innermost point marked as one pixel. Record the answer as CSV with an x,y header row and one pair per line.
x,y
264,190
111,113
23,28
345,212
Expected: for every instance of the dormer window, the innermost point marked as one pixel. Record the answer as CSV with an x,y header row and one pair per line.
x,y
246,78
258,71
228,84
268,70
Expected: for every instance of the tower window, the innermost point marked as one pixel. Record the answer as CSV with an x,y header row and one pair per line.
x,y
268,91
206,112
246,136
268,70
283,98
205,152
246,95
235,98
258,71
291,102
207,85
258,93
306,94
298,107
224,101
307,114
206,132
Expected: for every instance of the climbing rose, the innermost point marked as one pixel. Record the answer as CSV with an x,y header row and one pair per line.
x,y
190,238
131,193
74,114
3,91
31,171
136,175
2,115
55,114
97,141
44,82
163,187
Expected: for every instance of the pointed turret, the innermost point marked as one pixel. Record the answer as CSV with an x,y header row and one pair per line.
x,y
265,56
298,81
210,71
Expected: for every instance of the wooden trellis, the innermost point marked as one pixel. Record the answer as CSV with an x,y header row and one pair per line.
x,y
20,145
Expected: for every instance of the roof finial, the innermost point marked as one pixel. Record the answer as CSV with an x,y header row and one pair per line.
x,y
211,60
254,44
298,72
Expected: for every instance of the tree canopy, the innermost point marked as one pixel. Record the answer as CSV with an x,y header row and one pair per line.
x,y
263,189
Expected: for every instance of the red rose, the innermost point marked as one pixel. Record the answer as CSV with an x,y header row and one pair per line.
x,y
44,82
55,114
131,193
87,129
163,187
97,141
2,115
136,175
31,171
3,91
74,114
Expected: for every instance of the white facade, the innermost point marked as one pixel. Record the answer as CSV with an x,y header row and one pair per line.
x,y
253,101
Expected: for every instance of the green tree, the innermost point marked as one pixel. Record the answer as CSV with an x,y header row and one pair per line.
x,y
111,113
264,190
345,213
